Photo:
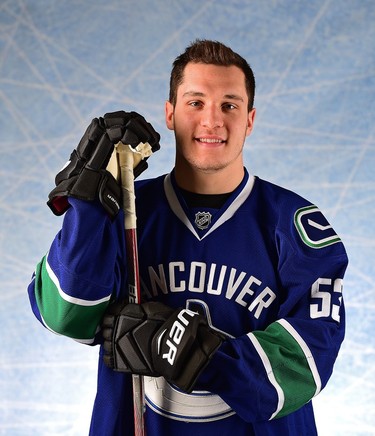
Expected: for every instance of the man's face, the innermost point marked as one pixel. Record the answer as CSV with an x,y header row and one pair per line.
x,y
210,118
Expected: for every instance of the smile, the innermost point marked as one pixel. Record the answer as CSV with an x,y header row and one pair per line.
x,y
210,140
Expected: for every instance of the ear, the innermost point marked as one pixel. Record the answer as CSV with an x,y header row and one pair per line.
x,y
169,115
250,121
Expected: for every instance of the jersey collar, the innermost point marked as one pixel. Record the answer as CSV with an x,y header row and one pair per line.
x,y
181,210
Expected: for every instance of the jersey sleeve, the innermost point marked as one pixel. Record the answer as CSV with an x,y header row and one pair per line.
x,y
267,374
83,270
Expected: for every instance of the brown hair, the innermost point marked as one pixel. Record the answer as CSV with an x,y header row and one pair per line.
x,y
210,52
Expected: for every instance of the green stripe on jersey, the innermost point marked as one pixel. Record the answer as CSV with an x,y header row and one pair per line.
x,y
293,371
77,319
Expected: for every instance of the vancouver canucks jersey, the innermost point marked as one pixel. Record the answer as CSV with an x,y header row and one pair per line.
x,y
265,268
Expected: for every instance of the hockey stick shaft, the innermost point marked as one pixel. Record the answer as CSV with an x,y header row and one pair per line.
x,y
127,156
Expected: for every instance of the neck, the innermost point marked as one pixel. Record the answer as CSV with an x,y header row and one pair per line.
x,y
208,182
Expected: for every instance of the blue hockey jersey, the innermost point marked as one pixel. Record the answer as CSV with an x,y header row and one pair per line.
x,y
266,269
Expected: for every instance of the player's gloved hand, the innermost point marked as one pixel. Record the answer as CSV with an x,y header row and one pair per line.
x,y
127,330
85,175
154,339
131,128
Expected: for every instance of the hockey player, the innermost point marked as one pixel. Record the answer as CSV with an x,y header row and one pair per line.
x,y
243,314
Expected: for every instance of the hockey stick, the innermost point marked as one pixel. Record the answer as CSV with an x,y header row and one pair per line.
x,y
127,159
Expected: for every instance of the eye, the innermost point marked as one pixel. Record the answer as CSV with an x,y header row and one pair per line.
x,y
195,103
228,106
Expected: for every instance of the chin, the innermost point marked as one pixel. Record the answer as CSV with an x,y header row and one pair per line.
x,y
209,167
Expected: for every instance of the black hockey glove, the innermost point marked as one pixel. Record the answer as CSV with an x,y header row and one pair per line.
x,y
131,128
85,175
154,339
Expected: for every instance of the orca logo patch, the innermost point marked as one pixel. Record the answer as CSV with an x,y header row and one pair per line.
x,y
313,228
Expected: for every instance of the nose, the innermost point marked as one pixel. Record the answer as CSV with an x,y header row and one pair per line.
x,y
212,117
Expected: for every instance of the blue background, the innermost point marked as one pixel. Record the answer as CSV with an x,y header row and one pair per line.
x,y
64,62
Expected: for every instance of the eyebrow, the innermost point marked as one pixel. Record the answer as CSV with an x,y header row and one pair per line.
x,y
201,94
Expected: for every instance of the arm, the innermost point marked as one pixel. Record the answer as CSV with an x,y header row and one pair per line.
x,y
85,266
268,374
262,374
83,270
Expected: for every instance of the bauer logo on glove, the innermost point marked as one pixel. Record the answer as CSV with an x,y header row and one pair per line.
x,y
168,346
157,340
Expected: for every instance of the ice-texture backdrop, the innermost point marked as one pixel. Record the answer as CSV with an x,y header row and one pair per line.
x,y
64,62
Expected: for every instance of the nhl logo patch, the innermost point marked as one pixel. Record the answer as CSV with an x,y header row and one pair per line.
x,y
203,220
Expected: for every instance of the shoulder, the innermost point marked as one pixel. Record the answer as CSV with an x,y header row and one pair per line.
x,y
150,196
295,218
146,185
278,195
276,205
